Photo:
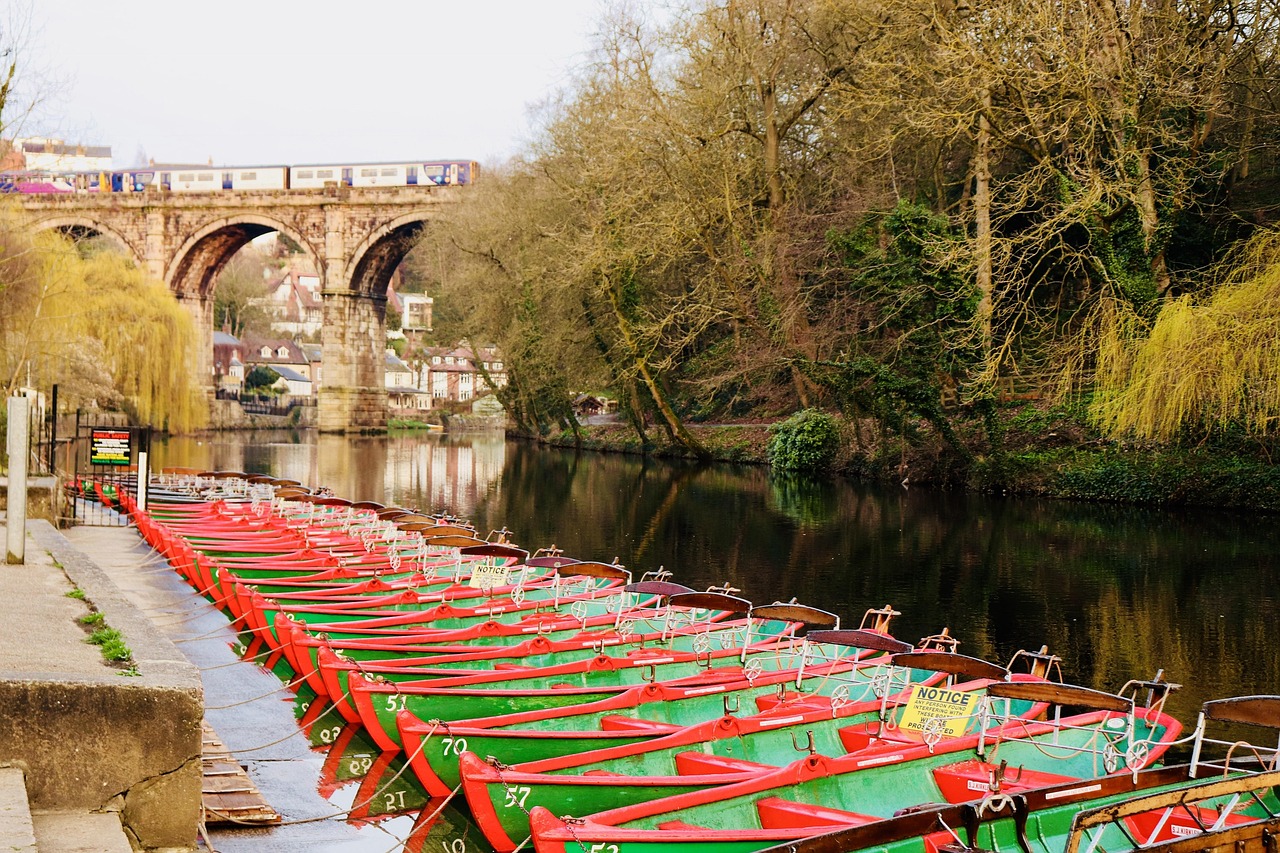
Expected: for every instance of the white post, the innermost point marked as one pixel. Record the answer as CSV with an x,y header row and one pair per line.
x,y
19,428
144,480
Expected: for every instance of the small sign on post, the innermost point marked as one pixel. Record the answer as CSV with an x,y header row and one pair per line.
x,y
110,446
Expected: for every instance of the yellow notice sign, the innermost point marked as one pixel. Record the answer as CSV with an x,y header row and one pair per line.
x,y
952,709
488,577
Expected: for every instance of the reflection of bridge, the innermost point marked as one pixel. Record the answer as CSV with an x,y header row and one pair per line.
x,y
356,236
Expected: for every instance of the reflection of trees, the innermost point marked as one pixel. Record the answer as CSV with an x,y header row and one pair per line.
x,y
806,501
1118,592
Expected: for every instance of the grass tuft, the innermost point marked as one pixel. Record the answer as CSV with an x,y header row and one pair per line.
x,y
112,642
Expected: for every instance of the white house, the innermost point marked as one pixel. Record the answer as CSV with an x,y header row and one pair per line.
x,y
397,373
296,385
416,316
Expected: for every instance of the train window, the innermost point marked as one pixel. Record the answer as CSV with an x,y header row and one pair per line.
x,y
389,173
248,176
306,174
186,176
368,173
324,173
205,177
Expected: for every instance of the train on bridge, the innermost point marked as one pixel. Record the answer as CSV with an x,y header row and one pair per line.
x,y
205,179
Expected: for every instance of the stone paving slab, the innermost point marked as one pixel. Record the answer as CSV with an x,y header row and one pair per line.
x,y
79,832
34,603
16,832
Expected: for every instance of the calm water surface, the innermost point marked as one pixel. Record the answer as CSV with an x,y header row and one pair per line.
x,y
1118,592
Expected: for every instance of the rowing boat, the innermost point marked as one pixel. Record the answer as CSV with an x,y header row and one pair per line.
x,y
719,751
763,645
1226,804
889,773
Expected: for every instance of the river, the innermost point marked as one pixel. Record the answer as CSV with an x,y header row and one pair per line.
x,y
1117,592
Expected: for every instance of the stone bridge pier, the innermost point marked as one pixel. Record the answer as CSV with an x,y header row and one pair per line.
x,y
356,236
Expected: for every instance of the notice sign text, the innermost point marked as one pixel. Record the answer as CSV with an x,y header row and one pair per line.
x,y
951,708
488,577
110,447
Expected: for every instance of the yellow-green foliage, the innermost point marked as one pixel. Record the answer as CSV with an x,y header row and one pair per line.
x,y
1204,363
147,335
105,303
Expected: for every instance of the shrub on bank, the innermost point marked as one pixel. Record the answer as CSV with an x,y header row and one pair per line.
x,y
806,441
1178,478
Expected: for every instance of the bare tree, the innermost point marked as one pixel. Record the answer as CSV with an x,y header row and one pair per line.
x,y
25,86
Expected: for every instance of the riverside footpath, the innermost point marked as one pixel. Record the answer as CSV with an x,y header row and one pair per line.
x,y
110,757
92,760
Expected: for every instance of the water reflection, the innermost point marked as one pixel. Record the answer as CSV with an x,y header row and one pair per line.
x,y
379,790
428,470
1118,592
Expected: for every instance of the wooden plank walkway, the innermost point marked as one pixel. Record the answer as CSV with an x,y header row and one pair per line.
x,y
227,794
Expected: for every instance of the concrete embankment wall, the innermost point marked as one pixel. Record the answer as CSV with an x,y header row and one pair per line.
x,y
89,737
42,497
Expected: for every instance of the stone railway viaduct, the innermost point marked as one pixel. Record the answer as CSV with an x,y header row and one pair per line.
x,y
356,236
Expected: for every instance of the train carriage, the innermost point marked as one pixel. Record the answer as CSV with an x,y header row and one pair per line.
x,y
210,179
402,174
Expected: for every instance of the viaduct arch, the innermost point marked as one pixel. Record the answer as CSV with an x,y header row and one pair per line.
x,y
356,236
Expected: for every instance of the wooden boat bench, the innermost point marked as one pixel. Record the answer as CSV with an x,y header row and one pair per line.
x,y
622,723
793,700
1180,822
777,813
969,780
699,764
859,737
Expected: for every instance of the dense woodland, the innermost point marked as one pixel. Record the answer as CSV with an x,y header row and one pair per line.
x,y
903,212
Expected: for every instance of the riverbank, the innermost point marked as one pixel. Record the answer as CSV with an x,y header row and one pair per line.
x,y
118,766
1046,452
109,755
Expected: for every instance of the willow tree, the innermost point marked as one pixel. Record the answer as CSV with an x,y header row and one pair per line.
x,y
146,335
1208,362
100,328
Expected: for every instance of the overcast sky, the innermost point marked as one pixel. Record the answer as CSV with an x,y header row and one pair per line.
x,y
253,82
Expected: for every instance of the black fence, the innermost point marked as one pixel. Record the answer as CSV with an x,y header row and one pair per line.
x,y
106,461
264,404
